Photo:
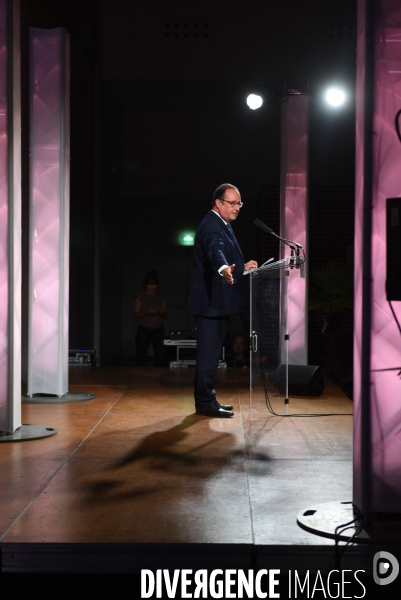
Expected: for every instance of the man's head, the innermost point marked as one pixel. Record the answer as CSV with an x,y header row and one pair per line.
x,y
227,202
238,344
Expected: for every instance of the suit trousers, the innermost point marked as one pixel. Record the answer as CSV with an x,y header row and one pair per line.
x,y
211,332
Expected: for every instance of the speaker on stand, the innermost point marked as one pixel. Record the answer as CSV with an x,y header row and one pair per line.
x,y
303,380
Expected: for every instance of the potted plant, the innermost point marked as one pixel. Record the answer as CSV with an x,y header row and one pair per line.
x,y
331,301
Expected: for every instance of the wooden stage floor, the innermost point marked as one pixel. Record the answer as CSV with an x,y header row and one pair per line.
x,y
137,466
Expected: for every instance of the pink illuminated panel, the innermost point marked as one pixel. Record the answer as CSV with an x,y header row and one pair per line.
x,y
3,217
10,218
294,218
359,188
49,226
385,335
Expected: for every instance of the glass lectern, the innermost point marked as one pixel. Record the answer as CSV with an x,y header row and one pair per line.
x,y
268,328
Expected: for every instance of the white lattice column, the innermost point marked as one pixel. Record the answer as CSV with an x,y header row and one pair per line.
x,y
49,212
294,222
10,218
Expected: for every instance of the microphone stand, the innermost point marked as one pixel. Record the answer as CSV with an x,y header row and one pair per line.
x,y
295,261
295,246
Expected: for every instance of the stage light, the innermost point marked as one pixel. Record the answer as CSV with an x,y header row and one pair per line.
x,y
254,101
335,96
187,239
271,93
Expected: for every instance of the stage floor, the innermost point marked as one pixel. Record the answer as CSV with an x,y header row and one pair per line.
x,y
136,465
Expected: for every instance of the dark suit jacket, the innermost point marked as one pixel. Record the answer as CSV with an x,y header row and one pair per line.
x,y
211,295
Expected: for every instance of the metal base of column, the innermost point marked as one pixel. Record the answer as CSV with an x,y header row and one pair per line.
x,y
27,432
337,520
52,399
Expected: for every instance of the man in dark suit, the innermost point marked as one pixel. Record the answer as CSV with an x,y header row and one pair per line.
x,y
216,293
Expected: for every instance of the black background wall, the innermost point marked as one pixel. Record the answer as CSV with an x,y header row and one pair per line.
x,y
158,120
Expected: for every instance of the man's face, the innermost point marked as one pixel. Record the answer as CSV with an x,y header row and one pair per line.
x,y
226,211
238,345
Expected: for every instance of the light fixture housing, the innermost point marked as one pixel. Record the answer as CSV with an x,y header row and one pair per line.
x,y
267,93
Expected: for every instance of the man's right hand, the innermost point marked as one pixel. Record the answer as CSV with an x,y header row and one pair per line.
x,y
228,274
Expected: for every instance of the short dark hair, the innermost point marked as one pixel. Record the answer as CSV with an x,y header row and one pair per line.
x,y
219,192
150,277
239,334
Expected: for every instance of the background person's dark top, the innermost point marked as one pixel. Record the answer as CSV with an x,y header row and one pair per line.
x,y
152,321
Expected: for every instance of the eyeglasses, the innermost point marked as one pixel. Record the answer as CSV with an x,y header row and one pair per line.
x,y
232,203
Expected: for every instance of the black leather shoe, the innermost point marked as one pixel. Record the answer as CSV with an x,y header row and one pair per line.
x,y
213,410
225,406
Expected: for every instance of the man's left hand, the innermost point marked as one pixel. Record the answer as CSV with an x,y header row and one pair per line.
x,y
249,266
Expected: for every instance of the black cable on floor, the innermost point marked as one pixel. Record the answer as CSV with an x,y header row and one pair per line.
x,y
339,530
271,410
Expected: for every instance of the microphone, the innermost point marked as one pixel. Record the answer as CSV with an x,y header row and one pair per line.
x,y
292,258
267,229
264,227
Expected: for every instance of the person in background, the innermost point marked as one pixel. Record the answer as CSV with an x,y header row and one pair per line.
x,y
150,310
238,355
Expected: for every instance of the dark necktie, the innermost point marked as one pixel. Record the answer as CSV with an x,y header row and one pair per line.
x,y
230,229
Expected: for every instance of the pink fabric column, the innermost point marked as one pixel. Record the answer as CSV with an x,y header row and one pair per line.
x,y
10,218
49,212
294,221
377,422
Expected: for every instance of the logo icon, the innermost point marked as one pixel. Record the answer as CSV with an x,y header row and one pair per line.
x,y
385,568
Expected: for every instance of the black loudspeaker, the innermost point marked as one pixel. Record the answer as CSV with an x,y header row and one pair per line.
x,y
303,380
393,222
